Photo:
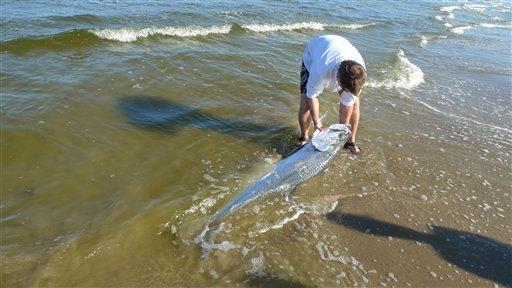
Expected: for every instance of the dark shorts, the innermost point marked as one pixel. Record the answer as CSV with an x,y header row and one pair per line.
x,y
304,75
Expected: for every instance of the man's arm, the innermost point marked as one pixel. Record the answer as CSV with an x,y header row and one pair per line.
x,y
314,109
345,113
350,115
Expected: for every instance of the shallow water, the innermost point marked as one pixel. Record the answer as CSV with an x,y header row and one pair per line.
x,y
125,125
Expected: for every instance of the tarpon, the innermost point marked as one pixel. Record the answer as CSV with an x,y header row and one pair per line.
x,y
313,158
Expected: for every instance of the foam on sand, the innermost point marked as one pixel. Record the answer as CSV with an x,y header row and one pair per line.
x,y
464,118
403,74
130,34
281,222
326,254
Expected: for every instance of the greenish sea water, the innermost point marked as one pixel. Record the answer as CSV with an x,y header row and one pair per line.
x,y
125,124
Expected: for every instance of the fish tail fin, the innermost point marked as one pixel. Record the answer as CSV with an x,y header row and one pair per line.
x,y
191,229
202,232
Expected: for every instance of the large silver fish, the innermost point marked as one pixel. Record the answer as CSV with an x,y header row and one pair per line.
x,y
313,158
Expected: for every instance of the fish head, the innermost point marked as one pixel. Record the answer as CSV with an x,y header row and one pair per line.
x,y
331,138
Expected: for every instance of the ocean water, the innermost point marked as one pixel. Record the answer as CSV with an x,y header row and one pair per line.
x,y
126,124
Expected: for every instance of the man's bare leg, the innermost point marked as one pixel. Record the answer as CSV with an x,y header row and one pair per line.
x,y
354,121
304,117
350,115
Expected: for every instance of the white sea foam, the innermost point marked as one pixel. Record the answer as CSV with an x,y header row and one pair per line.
x,y
203,206
449,9
438,17
282,222
464,118
302,25
257,266
208,245
490,25
355,26
326,254
130,35
403,75
475,7
426,39
462,29
283,27
223,246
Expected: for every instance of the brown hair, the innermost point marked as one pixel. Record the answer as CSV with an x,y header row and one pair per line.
x,y
351,76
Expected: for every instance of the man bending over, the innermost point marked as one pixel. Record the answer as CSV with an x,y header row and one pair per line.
x,y
331,62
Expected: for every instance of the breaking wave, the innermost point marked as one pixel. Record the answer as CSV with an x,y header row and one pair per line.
x,y
402,74
86,38
475,7
462,29
449,9
303,25
130,35
428,38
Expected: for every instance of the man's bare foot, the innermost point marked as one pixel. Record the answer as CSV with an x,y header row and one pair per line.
x,y
352,147
303,141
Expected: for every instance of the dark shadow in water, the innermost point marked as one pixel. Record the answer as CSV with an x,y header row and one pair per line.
x,y
260,282
163,115
474,253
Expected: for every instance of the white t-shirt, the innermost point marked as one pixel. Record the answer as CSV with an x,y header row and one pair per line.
x,y
322,58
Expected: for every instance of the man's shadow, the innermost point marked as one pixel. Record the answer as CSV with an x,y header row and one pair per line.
x,y
149,112
474,253
264,281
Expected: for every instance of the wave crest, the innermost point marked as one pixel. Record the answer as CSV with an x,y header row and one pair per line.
x,y
449,9
86,38
403,74
284,27
462,29
130,35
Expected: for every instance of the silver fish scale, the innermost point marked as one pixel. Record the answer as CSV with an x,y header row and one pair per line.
x,y
288,173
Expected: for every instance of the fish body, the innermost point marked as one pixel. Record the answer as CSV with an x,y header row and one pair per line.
x,y
313,158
